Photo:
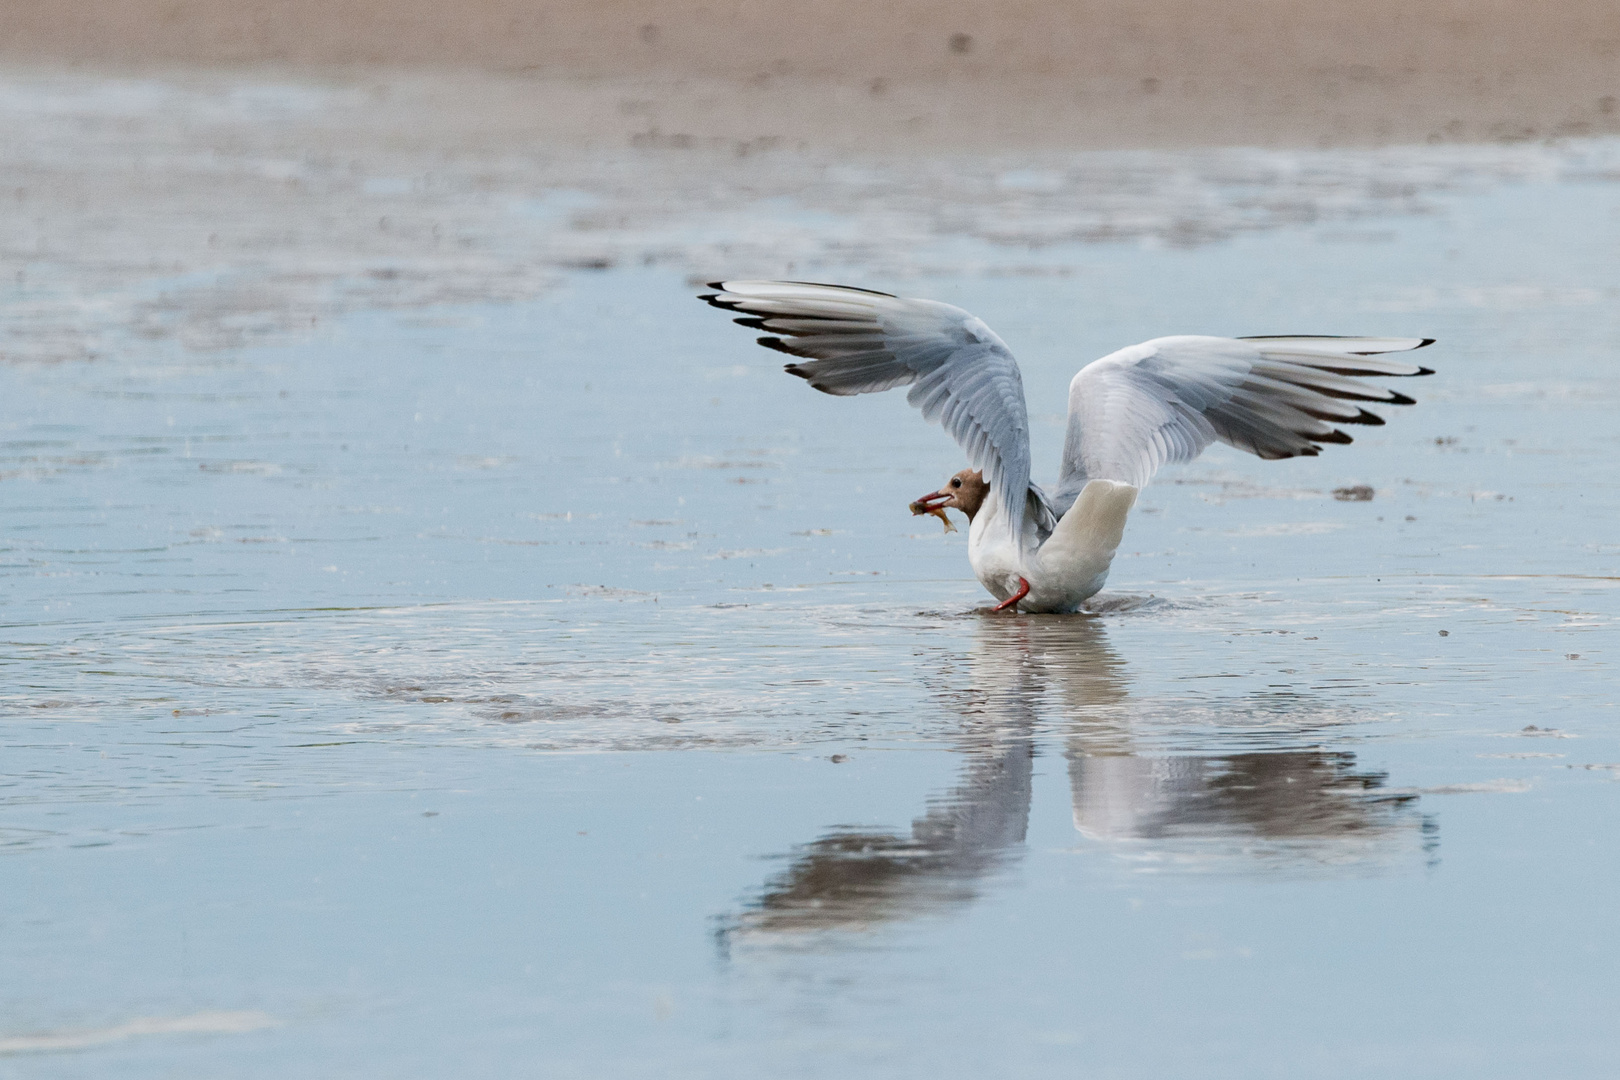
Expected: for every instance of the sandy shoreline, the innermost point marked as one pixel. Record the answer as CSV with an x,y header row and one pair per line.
x,y
218,173
220,209
947,74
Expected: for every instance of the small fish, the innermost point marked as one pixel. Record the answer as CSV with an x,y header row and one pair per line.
x,y
918,508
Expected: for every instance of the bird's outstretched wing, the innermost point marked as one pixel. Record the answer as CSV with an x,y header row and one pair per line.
x,y
1167,399
855,341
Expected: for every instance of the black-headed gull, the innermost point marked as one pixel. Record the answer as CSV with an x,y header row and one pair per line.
x,y
1131,412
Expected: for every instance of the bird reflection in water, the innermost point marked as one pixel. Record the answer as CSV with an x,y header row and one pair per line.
x,y
1304,809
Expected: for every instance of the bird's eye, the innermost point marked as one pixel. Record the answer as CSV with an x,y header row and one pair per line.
x,y
956,482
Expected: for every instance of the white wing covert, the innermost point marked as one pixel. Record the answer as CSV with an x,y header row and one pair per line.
x,y
1166,400
855,341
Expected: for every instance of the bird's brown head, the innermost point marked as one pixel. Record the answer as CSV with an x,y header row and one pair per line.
x,y
966,491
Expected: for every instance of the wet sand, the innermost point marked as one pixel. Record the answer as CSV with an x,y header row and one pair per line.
x,y
293,161
219,209
957,74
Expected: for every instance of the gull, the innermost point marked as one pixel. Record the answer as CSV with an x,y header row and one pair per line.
x,y
1131,412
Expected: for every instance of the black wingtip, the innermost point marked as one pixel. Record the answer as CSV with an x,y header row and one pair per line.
x,y
779,345
1424,371
795,369
753,323
1279,337
1401,399
1334,436
1423,343
717,285
830,285
1371,419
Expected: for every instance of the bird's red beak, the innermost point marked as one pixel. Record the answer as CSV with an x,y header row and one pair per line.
x,y
933,500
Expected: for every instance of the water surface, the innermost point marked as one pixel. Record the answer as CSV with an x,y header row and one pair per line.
x,y
546,685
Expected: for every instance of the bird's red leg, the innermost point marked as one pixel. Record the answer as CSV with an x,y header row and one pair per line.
x,y
1023,591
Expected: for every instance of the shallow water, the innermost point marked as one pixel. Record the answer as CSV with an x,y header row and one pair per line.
x,y
552,687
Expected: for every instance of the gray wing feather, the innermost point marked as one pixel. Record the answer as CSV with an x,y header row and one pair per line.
x,y
1168,399
854,341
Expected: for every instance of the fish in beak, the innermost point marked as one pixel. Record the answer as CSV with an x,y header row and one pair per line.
x,y
933,504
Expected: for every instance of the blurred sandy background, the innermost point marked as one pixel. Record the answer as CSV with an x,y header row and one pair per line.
x,y
1089,73
218,173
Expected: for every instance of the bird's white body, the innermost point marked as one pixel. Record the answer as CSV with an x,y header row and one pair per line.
x,y
1130,413
1072,564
